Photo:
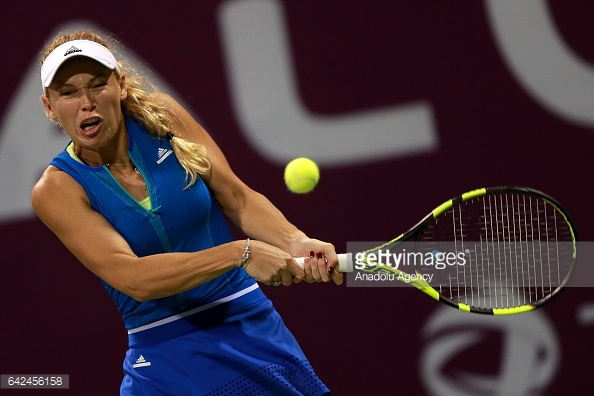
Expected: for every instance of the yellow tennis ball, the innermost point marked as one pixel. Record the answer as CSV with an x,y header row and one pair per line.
x,y
301,175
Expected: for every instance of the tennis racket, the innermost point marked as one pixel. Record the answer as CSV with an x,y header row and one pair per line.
x,y
500,250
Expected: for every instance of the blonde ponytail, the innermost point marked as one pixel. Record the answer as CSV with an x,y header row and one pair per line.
x,y
156,117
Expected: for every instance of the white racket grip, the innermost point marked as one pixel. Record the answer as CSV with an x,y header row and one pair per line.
x,y
345,262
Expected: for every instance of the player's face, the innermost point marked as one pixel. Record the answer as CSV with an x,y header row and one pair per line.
x,y
85,97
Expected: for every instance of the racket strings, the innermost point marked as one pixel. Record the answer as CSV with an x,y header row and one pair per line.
x,y
516,249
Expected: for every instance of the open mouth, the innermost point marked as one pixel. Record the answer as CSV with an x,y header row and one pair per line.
x,y
90,123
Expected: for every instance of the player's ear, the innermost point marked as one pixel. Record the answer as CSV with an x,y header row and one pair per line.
x,y
123,88
48,108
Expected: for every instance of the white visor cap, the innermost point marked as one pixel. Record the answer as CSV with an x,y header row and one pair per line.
x,y
62,53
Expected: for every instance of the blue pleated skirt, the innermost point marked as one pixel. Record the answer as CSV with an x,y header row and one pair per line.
x,y
239,347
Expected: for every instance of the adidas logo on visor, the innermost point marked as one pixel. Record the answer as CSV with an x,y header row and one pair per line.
x,y
72,50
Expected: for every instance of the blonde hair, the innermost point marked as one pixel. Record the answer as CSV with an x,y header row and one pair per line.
x,y
143,107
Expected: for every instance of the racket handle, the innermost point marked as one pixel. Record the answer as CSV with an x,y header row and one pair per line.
x,y
345,262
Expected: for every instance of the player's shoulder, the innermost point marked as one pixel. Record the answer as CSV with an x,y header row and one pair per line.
x,y
51,178
54,185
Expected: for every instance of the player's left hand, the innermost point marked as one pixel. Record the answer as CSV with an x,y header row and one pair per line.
x,y
320,263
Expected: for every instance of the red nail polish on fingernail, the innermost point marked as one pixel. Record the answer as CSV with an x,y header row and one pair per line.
x,y
330,270
311,254
320,255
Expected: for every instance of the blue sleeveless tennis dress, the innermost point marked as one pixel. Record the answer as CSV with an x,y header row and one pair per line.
x,y
223,337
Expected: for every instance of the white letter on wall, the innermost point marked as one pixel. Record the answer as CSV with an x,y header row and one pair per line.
x,y
276,123
540,60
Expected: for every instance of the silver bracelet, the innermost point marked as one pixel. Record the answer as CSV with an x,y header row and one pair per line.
x,y
246,253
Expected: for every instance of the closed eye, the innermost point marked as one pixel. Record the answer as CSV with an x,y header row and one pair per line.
x,y
67,93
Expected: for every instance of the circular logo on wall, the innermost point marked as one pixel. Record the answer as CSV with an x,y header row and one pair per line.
x,y
486,355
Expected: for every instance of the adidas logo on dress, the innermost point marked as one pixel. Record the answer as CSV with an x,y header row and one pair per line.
x,y
162,154
141,362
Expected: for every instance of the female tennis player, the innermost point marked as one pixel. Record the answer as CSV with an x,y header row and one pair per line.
x,y
140,196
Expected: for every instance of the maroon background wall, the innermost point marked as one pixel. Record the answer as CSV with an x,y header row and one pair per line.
x,y
489,129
